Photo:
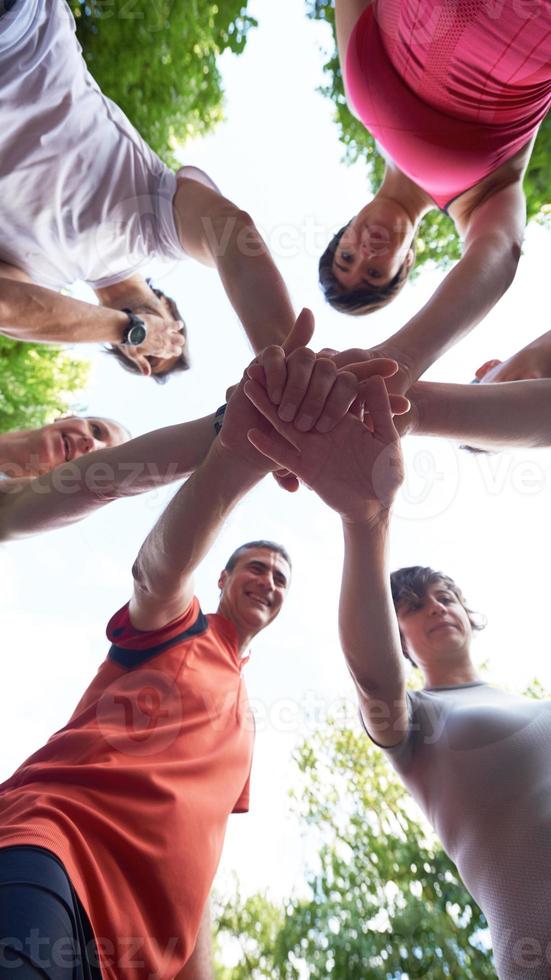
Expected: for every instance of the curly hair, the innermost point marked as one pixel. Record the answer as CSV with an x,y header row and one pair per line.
x,y
410,584
361,300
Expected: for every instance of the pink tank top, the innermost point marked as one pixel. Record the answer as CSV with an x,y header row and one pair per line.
x,y
450,90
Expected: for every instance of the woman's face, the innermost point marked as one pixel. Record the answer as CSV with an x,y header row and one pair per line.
x,y
373,247
435,626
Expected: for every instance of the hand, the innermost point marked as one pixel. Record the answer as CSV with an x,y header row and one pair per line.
x,y
164,336
534,361
401,380
311,390
356,470
241,415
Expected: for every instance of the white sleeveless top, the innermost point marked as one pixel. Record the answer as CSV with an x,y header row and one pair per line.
x,y
82,196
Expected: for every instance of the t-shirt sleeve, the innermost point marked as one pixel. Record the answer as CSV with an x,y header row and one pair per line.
x,y
402,751
130,645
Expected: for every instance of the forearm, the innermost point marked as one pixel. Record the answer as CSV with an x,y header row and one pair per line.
x,y
253,284
510,414
462,300
187,528
367,620
72,491
32,313
199,966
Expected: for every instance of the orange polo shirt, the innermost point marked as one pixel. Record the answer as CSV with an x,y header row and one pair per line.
x,y
134,793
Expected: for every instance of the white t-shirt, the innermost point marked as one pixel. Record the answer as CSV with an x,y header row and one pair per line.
x,y
82,196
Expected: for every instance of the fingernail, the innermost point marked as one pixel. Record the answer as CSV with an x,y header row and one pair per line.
x,y
287,412
304,423
324,425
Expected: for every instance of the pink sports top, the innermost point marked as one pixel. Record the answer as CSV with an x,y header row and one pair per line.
x,y
450,90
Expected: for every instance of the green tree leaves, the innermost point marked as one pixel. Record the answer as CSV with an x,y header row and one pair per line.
x,y
36,383
384,902
158,61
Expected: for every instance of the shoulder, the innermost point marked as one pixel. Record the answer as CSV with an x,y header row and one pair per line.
x,y
347,15
122,631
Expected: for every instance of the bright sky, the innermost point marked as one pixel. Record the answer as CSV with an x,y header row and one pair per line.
x,y
484,520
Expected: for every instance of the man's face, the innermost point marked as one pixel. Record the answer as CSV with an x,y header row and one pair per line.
x,y
254,590
69,438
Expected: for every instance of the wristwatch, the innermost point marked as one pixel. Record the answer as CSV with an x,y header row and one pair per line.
x,y
136,331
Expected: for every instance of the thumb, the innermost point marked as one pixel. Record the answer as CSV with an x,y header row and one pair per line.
x,y
275,448
302,332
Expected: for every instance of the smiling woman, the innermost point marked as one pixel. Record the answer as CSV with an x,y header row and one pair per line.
x,y
33,452
60,473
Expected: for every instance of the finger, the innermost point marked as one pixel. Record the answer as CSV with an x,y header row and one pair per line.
x,y
399,404
275,370
385,367
342,396
275,447
142,363
319,390
300,367
302,332
287,481
377,403
259,398
255,372
355,355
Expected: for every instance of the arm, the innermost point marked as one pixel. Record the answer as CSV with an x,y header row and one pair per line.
x,y
34,314
163,571
199,965
356,470
369,631
510,414
214,231
492,245
72,491
533,361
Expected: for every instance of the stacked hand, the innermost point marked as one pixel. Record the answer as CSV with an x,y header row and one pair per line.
x,y
303,385
356,468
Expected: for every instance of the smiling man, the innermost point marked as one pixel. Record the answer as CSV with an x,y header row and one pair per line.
x,y
123,853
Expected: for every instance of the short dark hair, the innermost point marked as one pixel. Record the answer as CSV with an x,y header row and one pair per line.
x,y
183,362
362,300
268,545
410,584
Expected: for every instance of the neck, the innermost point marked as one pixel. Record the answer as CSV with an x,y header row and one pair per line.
x,y
450,674
245,635
129,294
405,194
15,451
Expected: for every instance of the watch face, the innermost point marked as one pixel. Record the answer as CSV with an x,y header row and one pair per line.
x,y
136,335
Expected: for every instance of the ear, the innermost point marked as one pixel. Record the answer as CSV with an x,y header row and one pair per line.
x,y
140,360
223,578
410,259
487,366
